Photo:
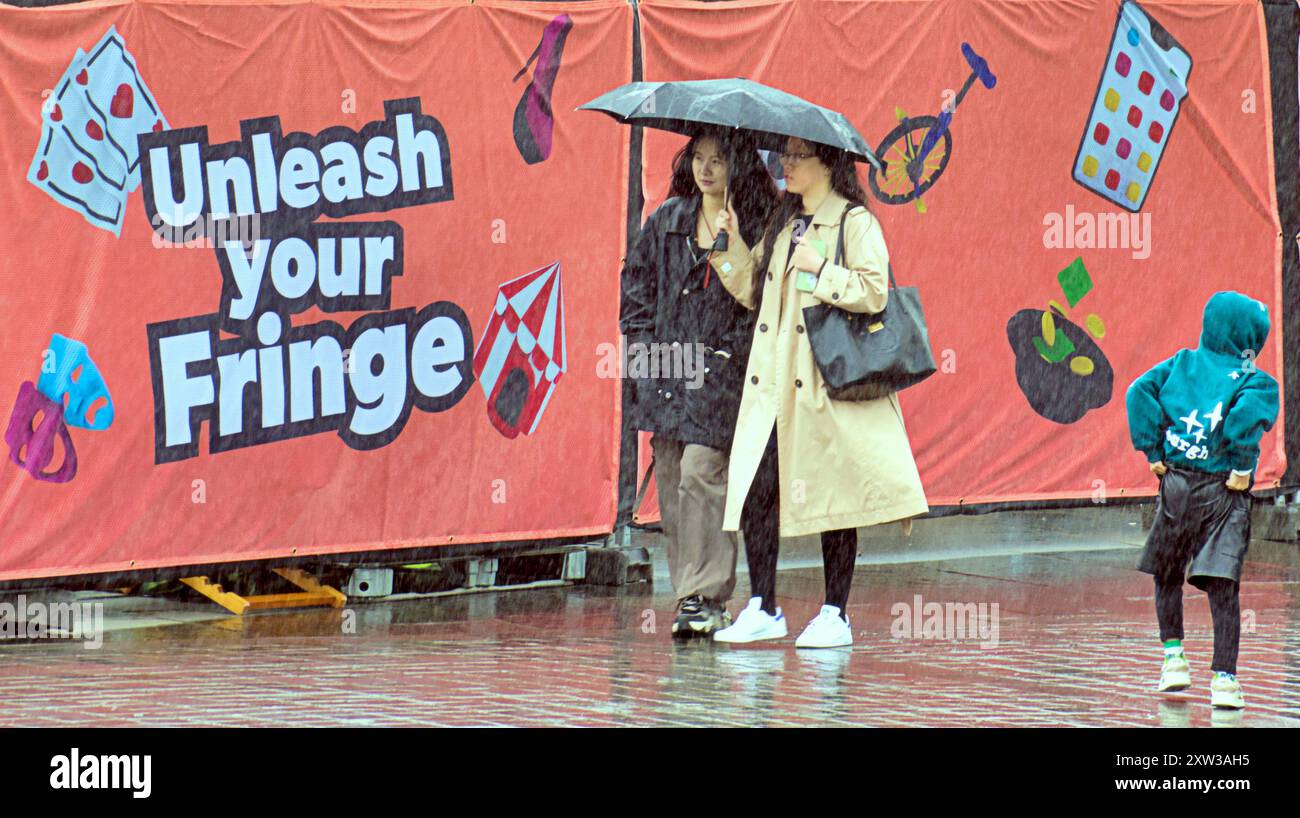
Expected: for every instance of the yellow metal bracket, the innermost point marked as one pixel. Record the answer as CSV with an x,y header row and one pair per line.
x,y
312,595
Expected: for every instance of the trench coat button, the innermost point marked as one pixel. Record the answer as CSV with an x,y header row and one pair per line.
x,y
668,396
706,370
798,384
769,276
686,291
835,296
753,379
799,328
762,327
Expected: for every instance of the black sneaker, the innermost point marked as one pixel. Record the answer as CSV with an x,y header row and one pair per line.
x,y
697,617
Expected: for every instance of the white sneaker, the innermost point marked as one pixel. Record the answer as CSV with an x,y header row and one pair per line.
x,y
753,624
827,630
1174,674
1225,691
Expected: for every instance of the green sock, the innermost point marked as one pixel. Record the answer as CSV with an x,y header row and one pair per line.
x,y
1173,646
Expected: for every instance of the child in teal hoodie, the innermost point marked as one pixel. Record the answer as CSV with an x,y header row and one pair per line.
x,y
1198,417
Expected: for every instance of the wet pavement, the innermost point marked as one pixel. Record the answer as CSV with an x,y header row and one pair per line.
x,y
1072,641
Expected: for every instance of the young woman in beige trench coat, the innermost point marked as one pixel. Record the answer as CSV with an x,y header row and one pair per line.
x,y
802,463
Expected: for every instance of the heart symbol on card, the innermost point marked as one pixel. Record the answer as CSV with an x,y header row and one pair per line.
x,y
83,77
43,172
123,102
56,114
94,131
157,126
81,173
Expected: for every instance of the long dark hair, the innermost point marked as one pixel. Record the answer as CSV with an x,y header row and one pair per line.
x,y
752,190
844,181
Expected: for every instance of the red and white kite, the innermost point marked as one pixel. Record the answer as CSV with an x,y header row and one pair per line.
x,y
521,355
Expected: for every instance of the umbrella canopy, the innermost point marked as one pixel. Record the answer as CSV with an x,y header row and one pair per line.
x,y
772,115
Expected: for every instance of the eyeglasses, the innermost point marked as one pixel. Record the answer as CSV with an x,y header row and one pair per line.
x,y
794,158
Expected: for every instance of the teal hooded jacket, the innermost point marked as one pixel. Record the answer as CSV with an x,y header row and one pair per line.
x,y
1207,408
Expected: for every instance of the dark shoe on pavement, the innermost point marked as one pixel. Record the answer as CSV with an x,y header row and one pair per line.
x,y
696,616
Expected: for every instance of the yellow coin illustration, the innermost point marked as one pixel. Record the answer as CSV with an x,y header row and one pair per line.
x,y
1095,325
1049,329
1081,365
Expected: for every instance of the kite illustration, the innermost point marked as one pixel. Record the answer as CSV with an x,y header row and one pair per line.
x,y
522,356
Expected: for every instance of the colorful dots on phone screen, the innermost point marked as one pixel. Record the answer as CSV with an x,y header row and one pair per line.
x,y
1134,110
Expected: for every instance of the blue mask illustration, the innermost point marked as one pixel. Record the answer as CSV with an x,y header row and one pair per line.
x,y
82,391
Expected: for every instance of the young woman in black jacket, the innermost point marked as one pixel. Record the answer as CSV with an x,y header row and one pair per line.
x,y
688,344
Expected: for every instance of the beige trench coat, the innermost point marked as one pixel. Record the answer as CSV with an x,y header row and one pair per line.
x,y
843,464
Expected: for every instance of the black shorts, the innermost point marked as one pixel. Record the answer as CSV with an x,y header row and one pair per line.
x,y
1198,520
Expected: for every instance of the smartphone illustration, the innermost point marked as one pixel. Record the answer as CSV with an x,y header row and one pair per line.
x,y
1139,97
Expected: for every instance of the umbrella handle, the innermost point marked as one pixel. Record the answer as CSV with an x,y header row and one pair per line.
x,y
720,240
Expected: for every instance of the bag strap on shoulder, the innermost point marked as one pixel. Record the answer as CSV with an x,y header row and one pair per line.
x,y
839,248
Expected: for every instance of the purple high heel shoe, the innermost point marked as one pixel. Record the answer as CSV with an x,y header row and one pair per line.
x,y
533,119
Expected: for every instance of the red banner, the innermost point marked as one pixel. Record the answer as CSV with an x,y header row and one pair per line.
x,y
403,351
407,341
1018,206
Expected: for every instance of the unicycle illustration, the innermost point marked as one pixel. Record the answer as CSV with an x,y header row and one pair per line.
x,y
914,155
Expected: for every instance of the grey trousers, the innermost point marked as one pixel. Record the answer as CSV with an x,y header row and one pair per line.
x,y
692,483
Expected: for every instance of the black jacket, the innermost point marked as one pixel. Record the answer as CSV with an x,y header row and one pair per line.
x,y
676,327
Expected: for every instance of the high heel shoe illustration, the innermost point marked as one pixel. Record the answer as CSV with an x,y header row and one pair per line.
x,y
533,120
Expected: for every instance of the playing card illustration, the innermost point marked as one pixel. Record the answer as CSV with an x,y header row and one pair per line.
x,y
74,178
521,355
113,89
87,158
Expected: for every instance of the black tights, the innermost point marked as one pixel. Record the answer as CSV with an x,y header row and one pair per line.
x,y
760,522
1225,610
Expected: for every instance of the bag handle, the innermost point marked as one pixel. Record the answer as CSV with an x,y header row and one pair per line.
x,y
839,245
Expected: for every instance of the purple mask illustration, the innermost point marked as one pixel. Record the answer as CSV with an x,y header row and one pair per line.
x,y
36,443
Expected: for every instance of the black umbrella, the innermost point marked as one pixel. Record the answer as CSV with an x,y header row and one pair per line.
x,y
772,116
